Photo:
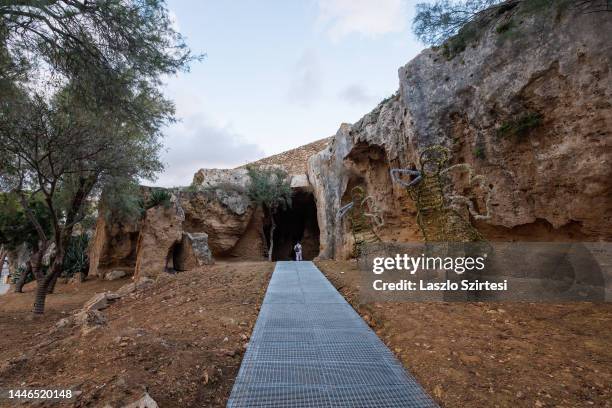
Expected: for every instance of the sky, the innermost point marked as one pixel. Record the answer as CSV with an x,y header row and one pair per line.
x,y
278,74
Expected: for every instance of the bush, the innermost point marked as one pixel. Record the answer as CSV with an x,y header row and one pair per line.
x,y
76,259
479,152
158,197
520,125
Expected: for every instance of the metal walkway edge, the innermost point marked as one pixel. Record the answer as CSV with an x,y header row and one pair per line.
x,y
310,348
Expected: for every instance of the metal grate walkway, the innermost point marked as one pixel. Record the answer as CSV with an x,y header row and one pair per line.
x,y
310,348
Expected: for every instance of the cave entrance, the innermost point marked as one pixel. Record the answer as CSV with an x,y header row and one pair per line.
x,y
298,223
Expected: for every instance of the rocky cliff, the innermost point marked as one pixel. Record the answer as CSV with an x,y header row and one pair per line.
x,y
527,102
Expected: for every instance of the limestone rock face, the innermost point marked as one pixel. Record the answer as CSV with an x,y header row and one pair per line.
x,y
113,245
220,208
552,181
161,231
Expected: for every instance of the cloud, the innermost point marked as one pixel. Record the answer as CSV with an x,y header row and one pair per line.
x,y
356,95
305,84
366,17
195,143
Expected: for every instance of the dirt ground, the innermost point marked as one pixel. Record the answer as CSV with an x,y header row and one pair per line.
x,y
495,354
182,340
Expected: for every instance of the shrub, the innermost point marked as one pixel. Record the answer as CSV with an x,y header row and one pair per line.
x,y
520,125
504,27
158,197
76,259
479,152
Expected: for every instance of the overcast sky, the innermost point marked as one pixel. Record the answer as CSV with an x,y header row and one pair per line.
x,y
279,74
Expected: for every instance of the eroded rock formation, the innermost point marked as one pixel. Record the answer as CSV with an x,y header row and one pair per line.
x,y
113,245
161,231
528,108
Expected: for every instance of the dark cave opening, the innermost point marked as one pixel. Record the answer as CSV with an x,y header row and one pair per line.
x,y
298,223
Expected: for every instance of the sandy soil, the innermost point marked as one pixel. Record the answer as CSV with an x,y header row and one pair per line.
x,y
495,354
182,340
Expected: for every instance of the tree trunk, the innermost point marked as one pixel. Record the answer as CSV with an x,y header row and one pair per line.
x,y
44,284
35,262
22,278
2,257
51,286
272,228
41,295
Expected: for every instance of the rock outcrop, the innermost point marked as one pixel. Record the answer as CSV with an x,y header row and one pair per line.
x,y
221,207
527,106
192,252
113,246
161,231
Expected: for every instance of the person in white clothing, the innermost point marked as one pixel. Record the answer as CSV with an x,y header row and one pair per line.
x,y
298,251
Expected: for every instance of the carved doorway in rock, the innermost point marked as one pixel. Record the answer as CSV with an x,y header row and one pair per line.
x,y
298,223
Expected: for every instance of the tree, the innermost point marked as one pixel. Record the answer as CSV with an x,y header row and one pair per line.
x,y
67,148
15,230
436,22
269,188
74,37
96,121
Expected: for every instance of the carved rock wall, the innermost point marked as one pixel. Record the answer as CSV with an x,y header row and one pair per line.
x,y
550,182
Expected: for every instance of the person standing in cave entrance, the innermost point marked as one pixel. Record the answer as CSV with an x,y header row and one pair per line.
x,y
298,251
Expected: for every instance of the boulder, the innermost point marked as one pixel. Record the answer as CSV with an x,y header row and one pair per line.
x,y
144,402
98,302
115,274
89,320
192,252
142,284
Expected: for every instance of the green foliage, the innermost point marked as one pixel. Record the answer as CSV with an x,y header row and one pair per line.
x,y
387,99
455,24
479,152
504,27
437,22
157,197
269,187
76,259
122,201
15,227
520,125
76,38
192,188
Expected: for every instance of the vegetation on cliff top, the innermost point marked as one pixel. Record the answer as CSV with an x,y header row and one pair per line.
x,y
453,25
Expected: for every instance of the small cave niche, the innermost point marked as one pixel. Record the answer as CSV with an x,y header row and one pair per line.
x,y
297,223
355,180
179,258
